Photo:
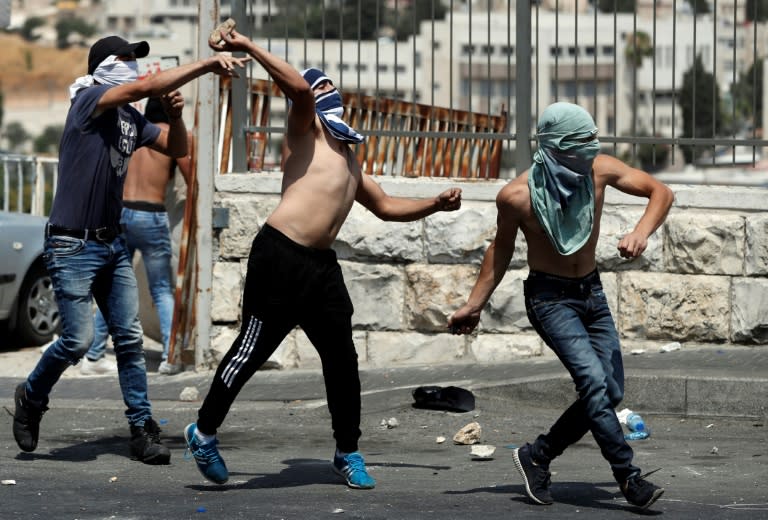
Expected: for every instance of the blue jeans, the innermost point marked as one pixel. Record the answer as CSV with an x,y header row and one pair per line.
x,y
149,232
572,317
81,271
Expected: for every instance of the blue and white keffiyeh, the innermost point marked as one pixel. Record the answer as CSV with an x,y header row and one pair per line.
x,y
111,71
329,108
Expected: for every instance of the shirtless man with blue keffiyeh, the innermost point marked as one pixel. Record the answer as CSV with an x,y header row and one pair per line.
x,y
557,205
293,276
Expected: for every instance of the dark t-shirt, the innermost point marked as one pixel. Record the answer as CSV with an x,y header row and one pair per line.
x,y
93,160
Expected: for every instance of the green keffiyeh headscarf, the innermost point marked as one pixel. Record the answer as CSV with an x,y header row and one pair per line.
x,y
560,180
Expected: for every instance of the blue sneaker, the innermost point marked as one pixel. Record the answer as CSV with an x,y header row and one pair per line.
x,y
207,457
352,468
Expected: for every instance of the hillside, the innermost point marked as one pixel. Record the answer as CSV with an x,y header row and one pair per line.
x,y
29,70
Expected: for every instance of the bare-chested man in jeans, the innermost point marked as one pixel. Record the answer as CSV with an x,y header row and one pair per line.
x,y
293,276
557,204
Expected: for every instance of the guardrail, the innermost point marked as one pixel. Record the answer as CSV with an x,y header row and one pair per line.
x,y
28,183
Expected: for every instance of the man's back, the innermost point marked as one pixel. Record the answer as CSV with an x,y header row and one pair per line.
x,y
148,174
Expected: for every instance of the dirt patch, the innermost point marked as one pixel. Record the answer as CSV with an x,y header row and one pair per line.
x,y
30,70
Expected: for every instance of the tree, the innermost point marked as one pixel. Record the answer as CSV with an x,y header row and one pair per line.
x,y
698,95
699,6
756,10
66,26
652,157
28,28
48,141
638,47
16,135
617,6
747,95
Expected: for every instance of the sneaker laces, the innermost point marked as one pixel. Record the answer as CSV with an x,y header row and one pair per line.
x,y
354,463
639,480
152,431
32,412
542,478
204,452
649,473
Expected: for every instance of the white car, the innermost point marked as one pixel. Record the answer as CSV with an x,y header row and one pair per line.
x,y
28,311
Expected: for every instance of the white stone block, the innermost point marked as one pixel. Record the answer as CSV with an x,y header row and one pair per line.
x,y
675,307
704,243
410,348
501,348
434,292
377,292
226,298
749,323
756,256
365,237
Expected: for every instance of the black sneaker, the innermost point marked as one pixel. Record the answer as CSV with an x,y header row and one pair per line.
x,y
535,476
639,492
26,419
145,444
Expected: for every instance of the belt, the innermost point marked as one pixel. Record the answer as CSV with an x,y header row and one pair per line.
x,y
104,234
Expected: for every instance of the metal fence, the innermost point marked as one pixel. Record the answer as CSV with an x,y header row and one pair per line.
x,y
28,183
669,83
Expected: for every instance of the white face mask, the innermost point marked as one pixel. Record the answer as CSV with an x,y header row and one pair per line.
x,y
116,72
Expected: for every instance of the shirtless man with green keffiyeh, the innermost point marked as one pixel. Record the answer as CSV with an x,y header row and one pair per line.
x,y
557,204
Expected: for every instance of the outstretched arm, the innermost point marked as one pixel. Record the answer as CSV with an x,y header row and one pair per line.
x,y
401,209
493,267
637,182
167,81
302,111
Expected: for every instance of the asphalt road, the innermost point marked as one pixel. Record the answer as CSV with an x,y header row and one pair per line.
x,y
278,455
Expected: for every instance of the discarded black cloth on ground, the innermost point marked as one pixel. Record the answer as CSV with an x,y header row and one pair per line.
x,y
450,398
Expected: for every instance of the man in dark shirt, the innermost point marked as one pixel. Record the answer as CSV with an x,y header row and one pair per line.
x,y
85,254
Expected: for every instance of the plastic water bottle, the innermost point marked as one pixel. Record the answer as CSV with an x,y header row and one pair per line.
x,y
636,436
635,425
635,422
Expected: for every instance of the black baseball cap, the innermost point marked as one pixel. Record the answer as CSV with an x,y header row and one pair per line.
x,y
114,46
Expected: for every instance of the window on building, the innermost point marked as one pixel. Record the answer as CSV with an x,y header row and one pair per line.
x,y
465,87
466,50
608,50
507,50
483,87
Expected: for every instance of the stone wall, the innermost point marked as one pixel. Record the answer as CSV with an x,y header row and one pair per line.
x,y
702,279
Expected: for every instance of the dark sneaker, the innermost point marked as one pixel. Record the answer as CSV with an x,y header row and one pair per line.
x,y
641,493
536,477
145,444
207,457
26,419
352,468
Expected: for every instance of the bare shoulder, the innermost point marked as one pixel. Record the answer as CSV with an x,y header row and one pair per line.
x,y
514,194
605,164
609,170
